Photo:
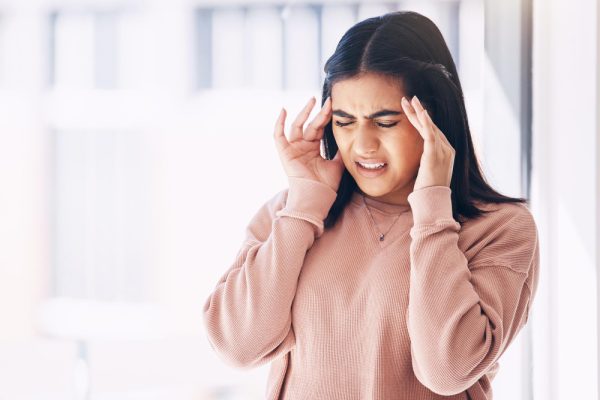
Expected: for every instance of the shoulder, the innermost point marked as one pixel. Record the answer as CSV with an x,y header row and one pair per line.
x,y
277,201
271,204
506,235
502,215
503,211
259,227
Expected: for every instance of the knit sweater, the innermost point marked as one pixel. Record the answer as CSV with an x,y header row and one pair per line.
x,y
424,314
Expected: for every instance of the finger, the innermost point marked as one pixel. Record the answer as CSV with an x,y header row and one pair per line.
x,y
426,132
314,130
279,136
447,145
439,142
411,114
442,139
296,132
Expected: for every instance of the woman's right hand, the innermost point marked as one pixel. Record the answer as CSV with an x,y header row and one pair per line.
x,y
301,154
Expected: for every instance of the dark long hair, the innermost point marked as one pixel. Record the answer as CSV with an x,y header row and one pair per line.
x,y
409,47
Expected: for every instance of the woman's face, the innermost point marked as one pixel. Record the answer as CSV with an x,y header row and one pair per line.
x,y
369,125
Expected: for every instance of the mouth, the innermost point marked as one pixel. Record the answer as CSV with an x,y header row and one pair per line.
x,y
371,166
371,170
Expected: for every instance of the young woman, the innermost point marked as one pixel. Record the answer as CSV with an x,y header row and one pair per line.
x,y
389,268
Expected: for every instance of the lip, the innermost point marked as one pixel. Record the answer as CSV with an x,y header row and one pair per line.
x,y
370,173
370,160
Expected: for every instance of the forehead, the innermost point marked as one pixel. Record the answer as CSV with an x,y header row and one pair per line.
x,y
367,91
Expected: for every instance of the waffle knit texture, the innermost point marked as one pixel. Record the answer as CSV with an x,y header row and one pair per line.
x,y
340,315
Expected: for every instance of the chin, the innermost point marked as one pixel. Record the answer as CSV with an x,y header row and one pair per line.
x,y
380,189
373,190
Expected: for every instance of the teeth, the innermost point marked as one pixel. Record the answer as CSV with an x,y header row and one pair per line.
x,y
372,166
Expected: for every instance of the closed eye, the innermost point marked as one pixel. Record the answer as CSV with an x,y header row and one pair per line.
x,y
387,125
338,123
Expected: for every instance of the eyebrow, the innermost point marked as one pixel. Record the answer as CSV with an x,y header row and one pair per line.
x,y
381,113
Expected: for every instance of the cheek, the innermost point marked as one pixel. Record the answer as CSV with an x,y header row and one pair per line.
x,y
416,146
339,140
407,150
414,143
342,147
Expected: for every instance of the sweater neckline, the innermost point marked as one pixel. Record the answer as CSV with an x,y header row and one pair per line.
x,y
386,208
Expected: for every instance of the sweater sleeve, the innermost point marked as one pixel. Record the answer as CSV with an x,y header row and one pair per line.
x,y
248,314
463,314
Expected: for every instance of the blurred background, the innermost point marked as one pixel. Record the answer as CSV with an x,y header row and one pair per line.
x,y
136,144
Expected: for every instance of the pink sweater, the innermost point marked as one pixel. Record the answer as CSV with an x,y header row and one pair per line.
x,y
424,314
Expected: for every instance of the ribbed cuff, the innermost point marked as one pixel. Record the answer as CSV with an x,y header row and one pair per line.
x,y
309,200
430,204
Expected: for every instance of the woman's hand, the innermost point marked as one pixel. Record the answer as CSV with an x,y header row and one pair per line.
x,y
301,155
437,160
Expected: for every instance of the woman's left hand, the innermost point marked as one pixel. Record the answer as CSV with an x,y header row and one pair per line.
x,y
437,160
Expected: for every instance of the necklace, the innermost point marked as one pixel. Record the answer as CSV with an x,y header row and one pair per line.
x,y
381,235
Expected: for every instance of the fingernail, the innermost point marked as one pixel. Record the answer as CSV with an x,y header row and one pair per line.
x,y
416,99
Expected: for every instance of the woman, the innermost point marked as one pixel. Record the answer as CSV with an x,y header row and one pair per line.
x,y
389,269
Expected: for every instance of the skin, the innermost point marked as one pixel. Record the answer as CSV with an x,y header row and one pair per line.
x,y
416,151
392,138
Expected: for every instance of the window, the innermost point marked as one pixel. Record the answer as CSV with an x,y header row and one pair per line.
x,y
103,218
84,49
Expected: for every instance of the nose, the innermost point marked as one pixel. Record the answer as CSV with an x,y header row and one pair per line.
x,y
366,142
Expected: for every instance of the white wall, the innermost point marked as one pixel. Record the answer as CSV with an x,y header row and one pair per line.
x,y
565,198
24,228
